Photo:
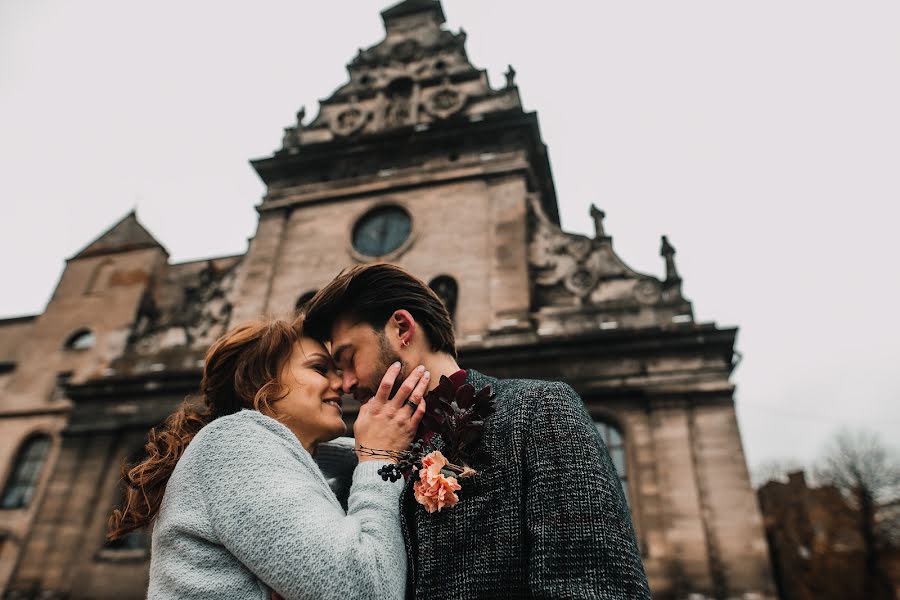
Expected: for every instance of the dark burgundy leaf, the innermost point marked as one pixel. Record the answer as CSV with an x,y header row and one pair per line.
x,y
485,405
444,389
465,396
457,416
430,423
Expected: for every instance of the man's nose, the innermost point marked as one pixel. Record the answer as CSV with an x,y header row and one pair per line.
x,y
348,382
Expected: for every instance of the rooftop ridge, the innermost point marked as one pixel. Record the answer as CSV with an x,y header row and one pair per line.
x,y
125,235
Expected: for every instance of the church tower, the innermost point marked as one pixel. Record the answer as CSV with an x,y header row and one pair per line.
x,y
416,160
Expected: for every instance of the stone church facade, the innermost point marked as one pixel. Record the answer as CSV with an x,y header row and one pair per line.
x,y
416,160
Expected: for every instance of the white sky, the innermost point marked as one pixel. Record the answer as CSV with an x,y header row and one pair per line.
x,y
763,137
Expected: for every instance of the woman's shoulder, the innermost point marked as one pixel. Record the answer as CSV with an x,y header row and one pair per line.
x,y
244,429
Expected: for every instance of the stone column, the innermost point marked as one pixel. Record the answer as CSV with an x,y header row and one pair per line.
x,y
254,279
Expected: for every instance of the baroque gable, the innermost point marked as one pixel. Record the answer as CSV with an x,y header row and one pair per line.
x,y
417,75
580,283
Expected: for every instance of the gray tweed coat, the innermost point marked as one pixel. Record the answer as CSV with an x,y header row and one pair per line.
x,y
544,518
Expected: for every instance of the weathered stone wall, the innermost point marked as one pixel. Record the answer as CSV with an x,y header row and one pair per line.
x,y
107,308
13,332
301,249
65,551
100,293
15,524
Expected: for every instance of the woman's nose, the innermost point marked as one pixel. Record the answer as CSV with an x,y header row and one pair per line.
x,y
334,381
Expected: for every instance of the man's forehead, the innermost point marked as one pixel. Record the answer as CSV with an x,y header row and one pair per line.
x,y
346,333
343,331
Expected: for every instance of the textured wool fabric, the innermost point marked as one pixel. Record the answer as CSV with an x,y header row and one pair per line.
x,y
544,518
247,509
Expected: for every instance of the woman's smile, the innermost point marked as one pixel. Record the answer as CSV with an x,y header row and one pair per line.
x,y
337,402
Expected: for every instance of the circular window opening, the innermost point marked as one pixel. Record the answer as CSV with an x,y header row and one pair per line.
x,y
381,231
83,339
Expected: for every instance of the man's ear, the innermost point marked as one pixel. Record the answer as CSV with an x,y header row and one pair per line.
x,y
404,326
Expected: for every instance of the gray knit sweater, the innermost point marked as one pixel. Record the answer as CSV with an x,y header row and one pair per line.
x,y
247,511
545,517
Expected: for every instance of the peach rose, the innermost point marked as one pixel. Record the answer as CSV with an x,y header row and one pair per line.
x,y
433,490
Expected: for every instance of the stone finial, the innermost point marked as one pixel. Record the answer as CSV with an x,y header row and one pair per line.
x,y
668,252
510,76
301,114
598,216
289,139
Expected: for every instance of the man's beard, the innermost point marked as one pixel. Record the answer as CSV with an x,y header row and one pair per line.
x,y
386,357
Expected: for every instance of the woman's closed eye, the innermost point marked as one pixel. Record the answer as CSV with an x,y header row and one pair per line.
x,y
322,369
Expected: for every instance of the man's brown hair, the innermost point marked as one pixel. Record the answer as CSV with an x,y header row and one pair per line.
x,y
371,294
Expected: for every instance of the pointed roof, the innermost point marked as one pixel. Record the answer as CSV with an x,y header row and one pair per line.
x,y
126,235
409,7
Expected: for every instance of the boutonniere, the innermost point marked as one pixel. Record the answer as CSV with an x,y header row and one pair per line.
x,y
457,415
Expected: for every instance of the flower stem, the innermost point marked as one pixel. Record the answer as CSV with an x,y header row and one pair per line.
x,y
415,457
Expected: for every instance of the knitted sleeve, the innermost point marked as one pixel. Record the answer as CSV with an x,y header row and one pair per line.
x,y
268,507
579,526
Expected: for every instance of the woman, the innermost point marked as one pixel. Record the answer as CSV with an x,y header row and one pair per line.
x,y
241,508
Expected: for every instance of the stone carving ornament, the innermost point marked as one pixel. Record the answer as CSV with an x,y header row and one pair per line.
x,y
445,102
397,113
560,257
578,264
200,318
647,291
581,281
348,121
406,51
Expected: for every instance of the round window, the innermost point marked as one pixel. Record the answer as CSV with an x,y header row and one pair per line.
x,y
381,231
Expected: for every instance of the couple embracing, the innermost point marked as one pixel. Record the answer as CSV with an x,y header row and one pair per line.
x,y
466,486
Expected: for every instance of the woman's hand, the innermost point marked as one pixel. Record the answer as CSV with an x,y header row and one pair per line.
x,y
390,423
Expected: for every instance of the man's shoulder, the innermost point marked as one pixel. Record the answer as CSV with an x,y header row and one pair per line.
x,y
524,393
519,386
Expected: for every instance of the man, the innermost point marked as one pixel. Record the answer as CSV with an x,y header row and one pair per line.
x,y
545,516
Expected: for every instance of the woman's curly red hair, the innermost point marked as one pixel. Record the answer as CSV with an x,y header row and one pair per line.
x,y
241,371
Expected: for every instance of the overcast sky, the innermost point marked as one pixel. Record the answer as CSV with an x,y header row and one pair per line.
x,y
762,136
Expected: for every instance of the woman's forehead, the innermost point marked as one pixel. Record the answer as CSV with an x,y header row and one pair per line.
x,y
309,348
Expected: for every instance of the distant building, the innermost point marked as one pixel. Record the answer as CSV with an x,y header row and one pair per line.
x,y
817,546
416,160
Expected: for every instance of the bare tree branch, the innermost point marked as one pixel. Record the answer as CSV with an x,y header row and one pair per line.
x,y
857,462
868,474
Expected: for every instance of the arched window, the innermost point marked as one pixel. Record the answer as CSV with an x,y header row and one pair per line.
x,y
83,339
304,299
26,472
99,278
615,444
447,290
